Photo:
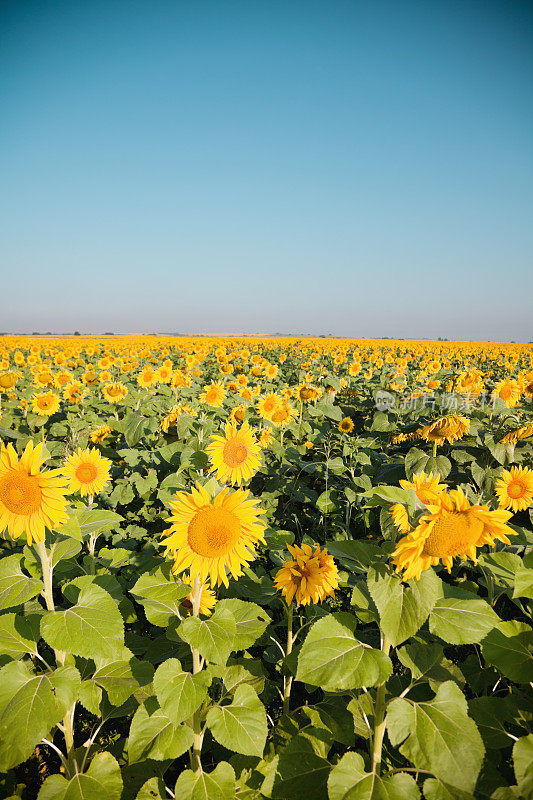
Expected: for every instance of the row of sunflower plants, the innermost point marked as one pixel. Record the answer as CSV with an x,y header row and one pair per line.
x,y
333,605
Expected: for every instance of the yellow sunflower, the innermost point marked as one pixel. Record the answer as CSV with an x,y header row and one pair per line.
x,y
74,392
268,405
87,472
346,425
426,487
209,536
8,379
45,404
234,456
310,576
98,435
452,528
509,391
283,415
114,392
30,500
446,429
524,432
515,488
265,437
400,517
213,395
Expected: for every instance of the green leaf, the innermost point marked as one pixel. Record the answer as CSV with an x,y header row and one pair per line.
x,y
402,609
324,502
331,656
523,583
332,715
154,735
29,708
439,736
93,628
242,725
90,696
460,618
102,780
348,780
63,549
135,427
19,634
15,586
216,785
301,772
523,764
508,647
251,621
93,522
212,637
489,714
122,678
179,693
160,594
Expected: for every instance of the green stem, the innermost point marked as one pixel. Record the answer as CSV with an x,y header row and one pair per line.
x,y
434,449
287,679
195,755
379,717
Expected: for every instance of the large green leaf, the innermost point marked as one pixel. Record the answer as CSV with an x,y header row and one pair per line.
x,y
348,780
461,618
301,772
102,780
19,634
402,609
508,647
15,586
212,637
439,736
331,656
93,628
121,678
242,725
135,426
251,621
160,594
179,693
216,785
154,735
30,705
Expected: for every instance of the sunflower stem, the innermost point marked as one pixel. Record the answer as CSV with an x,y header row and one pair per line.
x,y
287,679
196,764
434,449
379,717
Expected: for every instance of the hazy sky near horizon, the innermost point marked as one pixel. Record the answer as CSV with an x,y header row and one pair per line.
x,y
353,168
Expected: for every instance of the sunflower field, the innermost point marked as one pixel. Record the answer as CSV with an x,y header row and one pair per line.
x,y
298,569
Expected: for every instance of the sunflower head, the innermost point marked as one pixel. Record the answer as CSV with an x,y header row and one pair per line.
x,y
45,404
86,472
309,577
514,488
234,456
346,425
448,428
426,487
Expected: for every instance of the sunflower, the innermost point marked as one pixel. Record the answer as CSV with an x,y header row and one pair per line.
x,y
400,517
114,392
30,500
309,575
306,393
237,413
267,405
207,537
446,429
208,598
515,488
283,415
87,472
426,487
346,425
8,379
265,437
234,456
452,528
174,414
147,377
98,435
45,404
524,432
509,391
213,395
74,392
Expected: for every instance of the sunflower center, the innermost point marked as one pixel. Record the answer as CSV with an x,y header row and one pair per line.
x,y
86,473
515,490
20,493
453,533
235,452
213,531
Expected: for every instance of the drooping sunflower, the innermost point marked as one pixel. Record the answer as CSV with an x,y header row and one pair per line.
x,y
426,487
515,488
509,391
208,537
234,456
114,392
307,393
444,429
452,528
74,392
524,432
346,425
213,395
45,404
310,576
400,517
99,434
87,472
30,500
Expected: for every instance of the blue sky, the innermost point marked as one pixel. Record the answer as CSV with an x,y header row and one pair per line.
x,y
353,168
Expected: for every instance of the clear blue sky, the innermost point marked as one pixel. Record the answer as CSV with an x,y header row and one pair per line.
x,y
355,168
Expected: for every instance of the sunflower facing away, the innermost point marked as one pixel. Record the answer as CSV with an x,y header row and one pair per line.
x,y
310,576
208,537
45,404
234,456
426,487
30,500
99,434
515,488
452,528
446,429
87,472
